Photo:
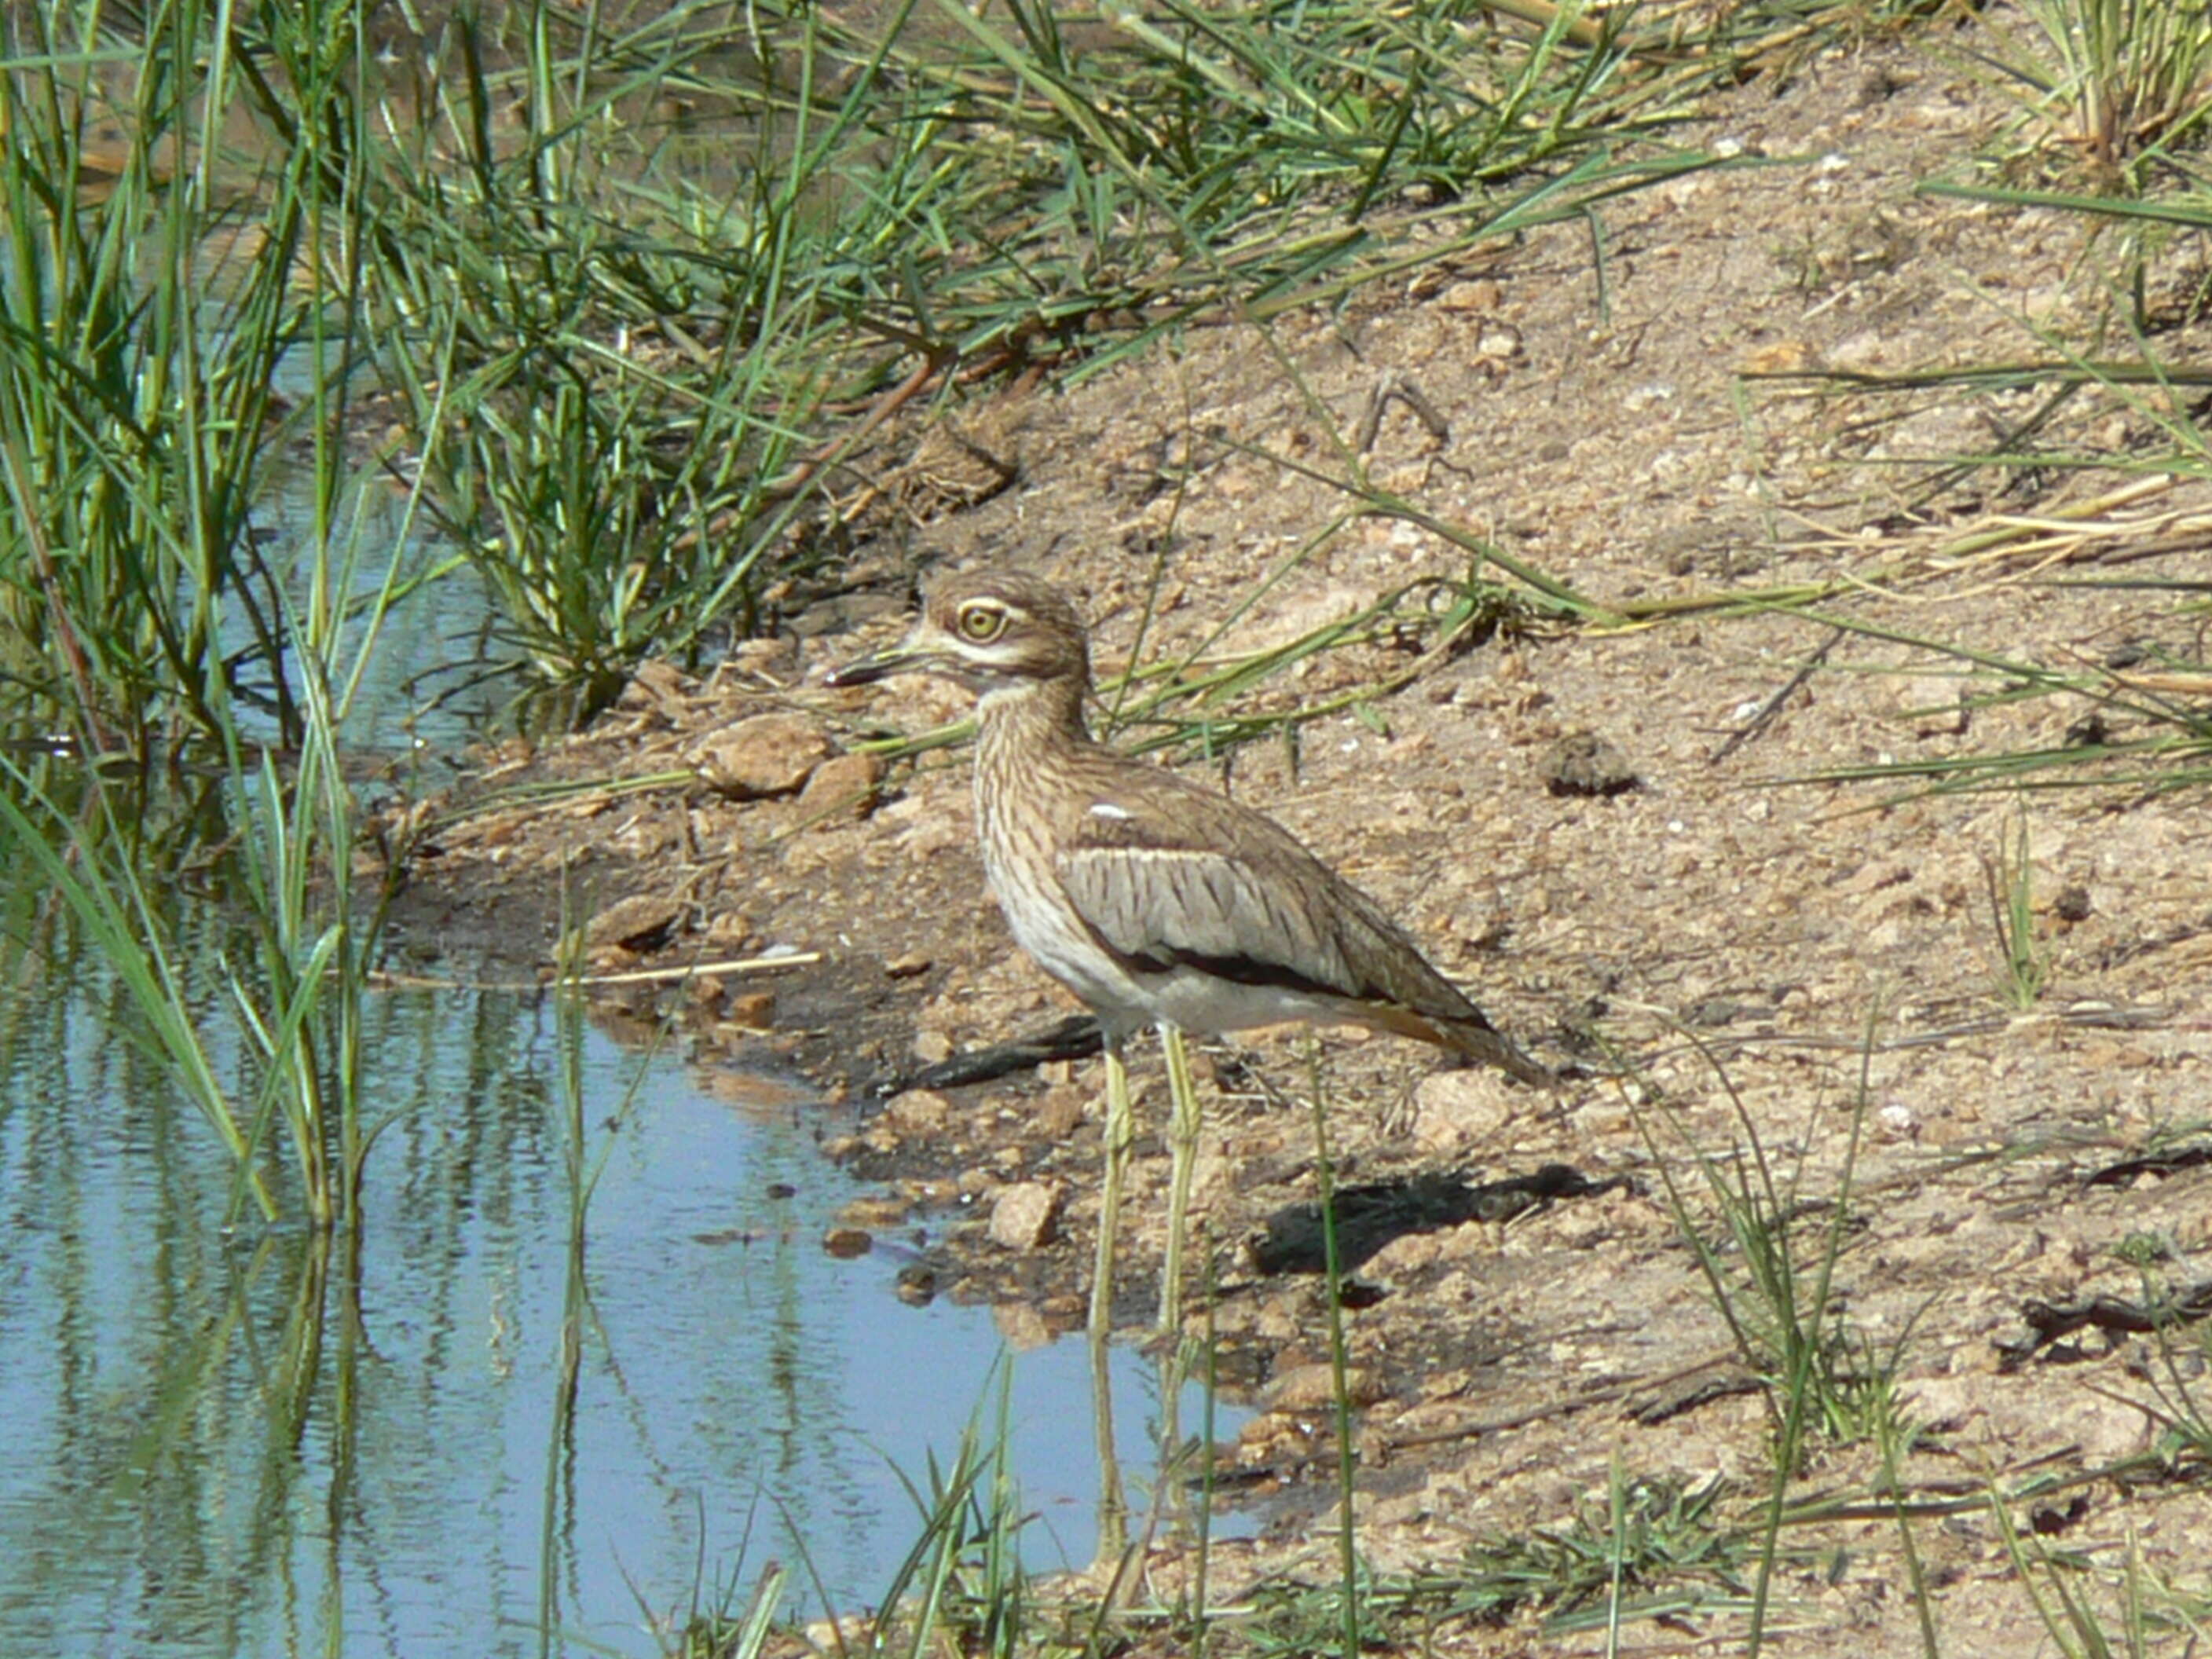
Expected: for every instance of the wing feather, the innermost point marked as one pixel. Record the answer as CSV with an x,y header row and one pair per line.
x,y
1174,875
1213,884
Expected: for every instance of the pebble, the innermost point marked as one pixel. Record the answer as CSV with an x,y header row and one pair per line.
x,y
1313,1388
872,1212
752,1011
1027,1215
1060,1113
842,781
638,925
1584,763
919,1111
1462,1108
767,755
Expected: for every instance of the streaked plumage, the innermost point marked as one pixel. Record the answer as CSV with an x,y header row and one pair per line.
x,y
1154,899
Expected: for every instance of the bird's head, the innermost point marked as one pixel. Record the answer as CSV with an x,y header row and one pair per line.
x,y
991,630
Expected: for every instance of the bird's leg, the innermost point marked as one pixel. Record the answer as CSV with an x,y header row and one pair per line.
x,y
1120,1132
1183,1127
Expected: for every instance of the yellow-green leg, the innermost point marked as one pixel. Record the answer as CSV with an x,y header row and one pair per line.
x,y
1183,1127
1120,1132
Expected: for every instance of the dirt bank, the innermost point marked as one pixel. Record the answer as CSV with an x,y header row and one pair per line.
x,y
1830,947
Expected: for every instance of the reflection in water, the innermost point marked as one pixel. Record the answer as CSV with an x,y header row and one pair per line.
x,y
462,1433
426,683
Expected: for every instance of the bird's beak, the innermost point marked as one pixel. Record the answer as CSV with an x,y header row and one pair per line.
x,y
902,658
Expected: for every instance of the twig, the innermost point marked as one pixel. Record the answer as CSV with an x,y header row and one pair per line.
x,y
391,981
1759,722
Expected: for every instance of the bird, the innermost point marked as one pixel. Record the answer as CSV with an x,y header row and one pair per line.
x,y
1156,899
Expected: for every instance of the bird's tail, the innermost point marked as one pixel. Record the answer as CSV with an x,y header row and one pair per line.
x,y
1492,1047
1476,1038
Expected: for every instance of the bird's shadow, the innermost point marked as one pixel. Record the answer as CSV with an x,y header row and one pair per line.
x,y
1369,1216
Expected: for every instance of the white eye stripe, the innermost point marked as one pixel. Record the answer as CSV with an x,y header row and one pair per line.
x,y
1106,809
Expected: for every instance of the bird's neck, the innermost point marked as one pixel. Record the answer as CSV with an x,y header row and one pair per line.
x,y
1031,719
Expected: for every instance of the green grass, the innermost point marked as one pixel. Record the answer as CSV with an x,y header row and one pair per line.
x,y
638,360
151,289
1641,1549
2023,965
301,940
137,349
2115,94
634,288
1769,1253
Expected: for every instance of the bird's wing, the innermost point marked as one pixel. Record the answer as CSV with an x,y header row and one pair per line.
x,y
1160,889
1203,882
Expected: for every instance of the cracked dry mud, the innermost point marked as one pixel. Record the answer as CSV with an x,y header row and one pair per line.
x,y
1759,948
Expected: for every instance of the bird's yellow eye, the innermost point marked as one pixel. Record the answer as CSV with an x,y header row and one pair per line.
x,y
980,623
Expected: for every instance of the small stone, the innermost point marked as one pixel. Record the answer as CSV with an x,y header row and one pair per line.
x,y
1021,1326
767,755
842,787
916,1285
920,1111
1461,1109
873,1211
1584,763
639,925
1480,295
730,933
932,1047
1026,1216
1313,1388
753,1011
1059,1114
1499,342
846,1242
912,965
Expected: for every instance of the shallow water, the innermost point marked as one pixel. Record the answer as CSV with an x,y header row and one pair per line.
x,y
463,1435
242,1443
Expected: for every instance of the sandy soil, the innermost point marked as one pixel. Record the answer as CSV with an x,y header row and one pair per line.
x,y
1754,943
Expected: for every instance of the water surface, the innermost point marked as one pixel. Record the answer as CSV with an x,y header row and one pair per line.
x,y
253,1442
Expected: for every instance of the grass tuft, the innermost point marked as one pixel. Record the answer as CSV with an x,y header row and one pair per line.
x,y
2116,93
